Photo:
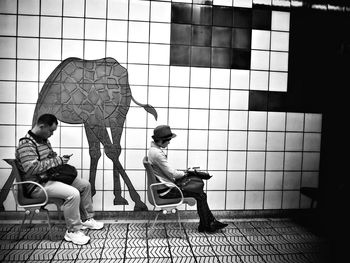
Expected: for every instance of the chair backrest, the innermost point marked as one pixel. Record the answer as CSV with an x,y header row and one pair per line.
x,y
151,178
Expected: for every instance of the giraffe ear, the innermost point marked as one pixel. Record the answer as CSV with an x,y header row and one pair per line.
x,y
151,110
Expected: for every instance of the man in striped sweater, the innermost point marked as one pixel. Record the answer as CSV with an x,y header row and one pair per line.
x,y
35,157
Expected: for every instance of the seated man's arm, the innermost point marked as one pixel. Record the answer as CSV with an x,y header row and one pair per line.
x,y
162,162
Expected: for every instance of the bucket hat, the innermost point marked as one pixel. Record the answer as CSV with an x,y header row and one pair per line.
x,y
163,132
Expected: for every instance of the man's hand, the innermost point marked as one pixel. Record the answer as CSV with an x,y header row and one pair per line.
x,y
65,159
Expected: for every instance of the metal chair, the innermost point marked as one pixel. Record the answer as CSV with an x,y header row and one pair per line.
x,y
167,206
31,205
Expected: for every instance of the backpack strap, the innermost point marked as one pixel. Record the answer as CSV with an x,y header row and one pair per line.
x,y
36,147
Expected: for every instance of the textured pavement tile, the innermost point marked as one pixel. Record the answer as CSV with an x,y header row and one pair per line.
x,y
181,252
155,242
66,254
42,254
295,258
136,242
229,259
224,250
178,242
218,241
159,260
18,254
27,244
136,252
199,241
114,242
245,250
184,260
207,259
251,258
237,240
203,251
162,252
275,259
113,253
90,253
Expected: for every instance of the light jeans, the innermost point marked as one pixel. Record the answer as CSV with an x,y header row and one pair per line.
x,y
78,201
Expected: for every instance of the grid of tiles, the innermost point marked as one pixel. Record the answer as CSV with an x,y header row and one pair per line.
x,y
259,159
242,241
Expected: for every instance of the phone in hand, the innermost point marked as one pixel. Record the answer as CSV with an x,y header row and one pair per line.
x,y
67,155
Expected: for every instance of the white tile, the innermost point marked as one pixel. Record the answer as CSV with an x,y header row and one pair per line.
x,y
8,47
313,122
256,160
159,54
219,99
280,20
180,142
217,141
160,33
279,61
312,142
295,121
272,199
28,7
7,90
72,48
96,8
117,30
199,98
158,96
273,180
73,28
71,136
160,12
279,41
179,76
51,7
276,121
236,160
310,179
133,159
7,136
28,26
217,160
260,60
50,49
138,74
238,120
94,50
8,6
235,200
139,10
197,158
25,113
240,79
236,180
118,9
281,3
275,141
259,80
158,75
27,70
242,3
294,141
260,39
50,27
27,48
254,200
311,161
117,50
257,120
256,140
73,8
220,78
177,159
218,120
216,200
237,140
95,29
98,201
218,180
27,92
200,77
162,117
292,161
130,136
138,32
178,97
255,180
137,117
197,139
274,161
278,81
292,180
8,25
7,69
223,2
239,100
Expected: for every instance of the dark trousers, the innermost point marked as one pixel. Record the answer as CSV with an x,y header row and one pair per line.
x,y
205,215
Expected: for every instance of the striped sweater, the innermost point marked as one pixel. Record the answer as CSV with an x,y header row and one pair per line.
x,y
34,167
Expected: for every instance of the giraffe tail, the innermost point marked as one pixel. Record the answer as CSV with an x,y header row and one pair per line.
x,y
147,107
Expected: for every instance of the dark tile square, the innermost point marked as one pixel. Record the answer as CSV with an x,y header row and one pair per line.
x,y
221,37
242,17
202,15
181,13
180,34
258,100
240,59
241,38
261,19
277,101
222,16
179,55
221,57
200,56
201,35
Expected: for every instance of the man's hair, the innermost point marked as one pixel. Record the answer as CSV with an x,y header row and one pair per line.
x,y
47,119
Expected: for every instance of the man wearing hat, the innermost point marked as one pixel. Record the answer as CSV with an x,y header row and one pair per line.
x,y
165,173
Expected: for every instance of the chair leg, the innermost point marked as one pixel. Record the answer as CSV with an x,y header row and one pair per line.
x,y
20,228
155,220
48,222
179,222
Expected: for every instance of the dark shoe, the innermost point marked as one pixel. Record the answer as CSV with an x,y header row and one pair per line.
x,y
218,224
201,229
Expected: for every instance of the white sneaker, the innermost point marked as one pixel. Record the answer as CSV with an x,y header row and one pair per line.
x,y
92,224
77,237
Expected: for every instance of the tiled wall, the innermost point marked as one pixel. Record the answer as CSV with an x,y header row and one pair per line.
x,y
202,71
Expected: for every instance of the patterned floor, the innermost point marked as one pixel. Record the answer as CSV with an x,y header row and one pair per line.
x,y
248,240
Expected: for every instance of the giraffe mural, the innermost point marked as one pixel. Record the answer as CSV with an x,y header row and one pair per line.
x,y
94,93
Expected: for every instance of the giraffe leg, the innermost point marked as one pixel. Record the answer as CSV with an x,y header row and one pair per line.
x,y
95,154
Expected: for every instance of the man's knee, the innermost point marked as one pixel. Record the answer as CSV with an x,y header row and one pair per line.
x,y
73,195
